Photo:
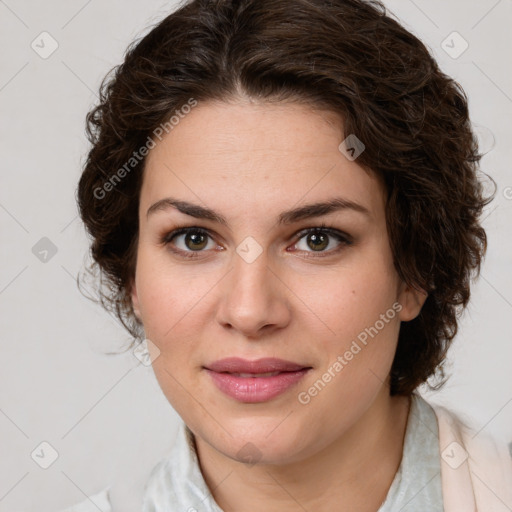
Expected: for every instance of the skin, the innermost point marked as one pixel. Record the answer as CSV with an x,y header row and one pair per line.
x,y
251,161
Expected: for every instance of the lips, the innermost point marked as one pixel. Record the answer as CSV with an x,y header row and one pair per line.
x,y
255,375
255,381
260,366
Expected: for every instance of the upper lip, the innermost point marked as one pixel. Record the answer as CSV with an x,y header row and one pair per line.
x,y
264,365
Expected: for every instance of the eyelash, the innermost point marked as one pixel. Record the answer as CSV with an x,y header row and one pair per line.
x,y
343,238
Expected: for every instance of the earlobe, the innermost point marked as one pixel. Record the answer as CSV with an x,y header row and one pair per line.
x,y
412,301
135,301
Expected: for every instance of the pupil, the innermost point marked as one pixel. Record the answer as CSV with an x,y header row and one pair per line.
x,y
196,238
318,240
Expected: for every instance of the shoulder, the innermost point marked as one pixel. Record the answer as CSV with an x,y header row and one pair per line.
x,y
476,469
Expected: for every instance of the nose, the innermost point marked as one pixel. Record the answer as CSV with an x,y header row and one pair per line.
x,y
253,298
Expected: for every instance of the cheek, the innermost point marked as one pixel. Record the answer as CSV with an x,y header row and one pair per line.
x,y
350,299
170,305
359,308
169,295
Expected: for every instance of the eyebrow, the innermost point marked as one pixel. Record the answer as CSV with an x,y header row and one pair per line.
x,y
288,217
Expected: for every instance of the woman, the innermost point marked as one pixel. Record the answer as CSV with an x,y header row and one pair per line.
x,y
282,196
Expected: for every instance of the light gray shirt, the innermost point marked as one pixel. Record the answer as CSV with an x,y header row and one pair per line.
x,y
417,483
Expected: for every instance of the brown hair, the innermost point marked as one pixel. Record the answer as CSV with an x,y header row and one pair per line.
x,y
348,56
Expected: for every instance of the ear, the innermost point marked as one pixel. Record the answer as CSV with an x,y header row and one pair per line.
x,y
412,301
135,300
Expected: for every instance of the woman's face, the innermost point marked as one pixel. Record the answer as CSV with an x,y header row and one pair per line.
x,y
248,281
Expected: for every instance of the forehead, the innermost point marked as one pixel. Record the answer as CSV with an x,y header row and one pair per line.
x,y
243,126
254,156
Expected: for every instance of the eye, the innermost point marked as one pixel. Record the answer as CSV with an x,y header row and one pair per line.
x,y
189,241
320,238
192,240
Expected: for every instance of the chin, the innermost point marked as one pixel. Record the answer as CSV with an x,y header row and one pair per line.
x,y
266,440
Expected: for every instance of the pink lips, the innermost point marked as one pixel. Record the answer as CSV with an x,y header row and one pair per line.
x,y
255,381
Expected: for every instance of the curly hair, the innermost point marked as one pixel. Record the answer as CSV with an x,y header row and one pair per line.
x,y
348,56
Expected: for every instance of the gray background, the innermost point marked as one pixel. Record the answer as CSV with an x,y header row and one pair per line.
x,y
106,415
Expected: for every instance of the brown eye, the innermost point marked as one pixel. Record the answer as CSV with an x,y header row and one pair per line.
x,y
195,240
188,242
317,241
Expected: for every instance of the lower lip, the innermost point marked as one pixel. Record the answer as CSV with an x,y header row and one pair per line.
x,y
256,389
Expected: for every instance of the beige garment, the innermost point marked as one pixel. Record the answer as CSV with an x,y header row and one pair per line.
x,y
476,470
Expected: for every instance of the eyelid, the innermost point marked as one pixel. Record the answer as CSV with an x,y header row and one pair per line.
x,y
324,228
170,235
343,238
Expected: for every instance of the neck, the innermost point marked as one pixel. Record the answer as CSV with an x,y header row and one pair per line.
x,y
355,472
